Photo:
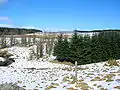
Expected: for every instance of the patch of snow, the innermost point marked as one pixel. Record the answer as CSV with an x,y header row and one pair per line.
x,y
2,59
38,74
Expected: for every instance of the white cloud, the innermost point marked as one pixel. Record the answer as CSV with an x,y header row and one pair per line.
x,y
6,25
30,27
33,27
56,29
3,18
3,1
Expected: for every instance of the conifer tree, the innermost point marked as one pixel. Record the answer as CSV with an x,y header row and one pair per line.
x,y
57,48
74,45
85,49
65,49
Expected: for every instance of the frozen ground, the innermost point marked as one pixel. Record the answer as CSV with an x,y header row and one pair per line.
x,y
44,75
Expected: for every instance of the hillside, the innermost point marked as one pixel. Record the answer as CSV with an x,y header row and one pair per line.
x,y
16,31
44,75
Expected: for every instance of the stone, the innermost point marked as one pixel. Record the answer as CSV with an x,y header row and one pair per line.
x,y
10,87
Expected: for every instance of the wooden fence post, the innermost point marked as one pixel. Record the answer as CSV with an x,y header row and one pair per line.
x,y
76,71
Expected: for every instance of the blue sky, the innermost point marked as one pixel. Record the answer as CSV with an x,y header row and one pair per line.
x,y
60,14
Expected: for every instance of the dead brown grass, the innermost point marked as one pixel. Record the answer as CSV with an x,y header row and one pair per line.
x,y
66,63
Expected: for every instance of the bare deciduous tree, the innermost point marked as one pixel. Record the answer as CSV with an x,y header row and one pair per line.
x,y
3,40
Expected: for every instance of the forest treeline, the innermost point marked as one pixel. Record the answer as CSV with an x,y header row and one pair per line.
x,y
16,31
85,49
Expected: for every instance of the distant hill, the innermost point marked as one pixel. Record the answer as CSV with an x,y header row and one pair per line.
x,y
16,31
92,31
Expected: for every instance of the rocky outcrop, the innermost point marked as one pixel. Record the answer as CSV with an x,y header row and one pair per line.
x,y
5,59
7,62
4,53
10,87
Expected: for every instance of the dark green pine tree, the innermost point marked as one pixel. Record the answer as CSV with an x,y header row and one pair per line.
x,y
102,48
65,50
117,43
86,50
113,49
95,48
57,47
105,45
74,47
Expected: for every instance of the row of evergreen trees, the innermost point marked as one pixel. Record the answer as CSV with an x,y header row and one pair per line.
x,y
17,31
86,49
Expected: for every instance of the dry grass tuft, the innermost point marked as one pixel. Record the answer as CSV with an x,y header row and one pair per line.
x,y
83,86
103,89
97,79
112,62
108,77
66,79
50,87
66,63
117,87
72,89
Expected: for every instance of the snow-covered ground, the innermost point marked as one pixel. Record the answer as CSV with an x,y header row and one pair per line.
x,y
44,75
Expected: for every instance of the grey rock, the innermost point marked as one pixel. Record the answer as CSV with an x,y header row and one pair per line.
x,y
10,87
7,62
